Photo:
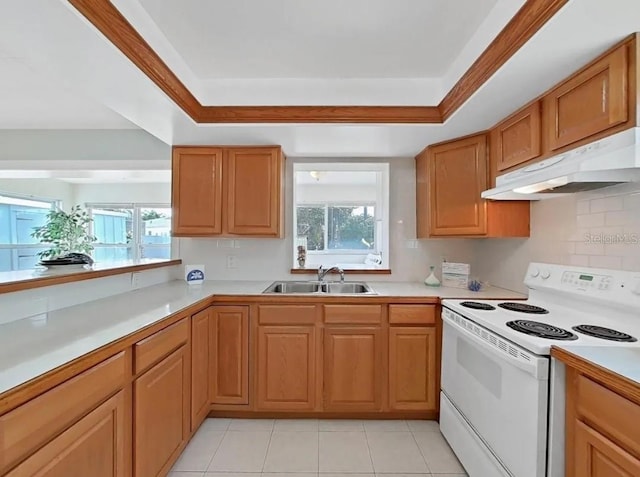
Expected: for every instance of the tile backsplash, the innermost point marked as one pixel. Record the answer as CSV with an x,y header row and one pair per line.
x,y
598,229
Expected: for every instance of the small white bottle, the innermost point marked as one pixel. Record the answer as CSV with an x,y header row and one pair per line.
x,y
432,280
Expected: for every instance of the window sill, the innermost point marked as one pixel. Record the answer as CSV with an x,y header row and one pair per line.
x,y
352,271
28,279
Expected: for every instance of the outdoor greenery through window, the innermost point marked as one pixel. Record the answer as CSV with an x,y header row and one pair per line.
x,y
329,227
341,215
130,231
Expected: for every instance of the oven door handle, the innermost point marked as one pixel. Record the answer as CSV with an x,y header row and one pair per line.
x,y
531,364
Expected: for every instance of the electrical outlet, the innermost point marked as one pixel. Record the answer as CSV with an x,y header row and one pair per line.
x,y
232,261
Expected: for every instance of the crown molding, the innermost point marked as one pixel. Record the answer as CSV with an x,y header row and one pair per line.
x,y
117,29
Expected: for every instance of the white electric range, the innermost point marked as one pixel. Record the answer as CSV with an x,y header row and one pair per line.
x,y
502,397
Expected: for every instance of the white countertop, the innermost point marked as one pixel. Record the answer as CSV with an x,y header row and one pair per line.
x,y
622,360
33,346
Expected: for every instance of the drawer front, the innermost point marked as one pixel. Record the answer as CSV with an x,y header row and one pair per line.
x,y
353,314
609,413
152,349
27,428
287,314
412,314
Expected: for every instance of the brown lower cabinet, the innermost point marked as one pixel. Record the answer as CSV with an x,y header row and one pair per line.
x,y
229,346
286,368
96,445
353,368
162,421
132,414
412,368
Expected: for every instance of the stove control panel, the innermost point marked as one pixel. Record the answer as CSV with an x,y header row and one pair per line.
x,y
586,281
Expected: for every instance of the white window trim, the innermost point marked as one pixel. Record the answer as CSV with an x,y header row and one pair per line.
x,y
381,206
136,245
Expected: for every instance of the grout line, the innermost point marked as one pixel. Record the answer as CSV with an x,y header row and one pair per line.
x,y
224,434
266,454
421,453
366,437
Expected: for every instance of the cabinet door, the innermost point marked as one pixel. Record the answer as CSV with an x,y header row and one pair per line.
x,y
457,177
96,445
253,178
200,367
230,355
597,456
286,367
161,404
517,139
592,101
353,369
196,191
412,368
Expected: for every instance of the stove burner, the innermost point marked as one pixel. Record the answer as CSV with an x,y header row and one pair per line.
x,y
523,308
477,306
604,333
541,330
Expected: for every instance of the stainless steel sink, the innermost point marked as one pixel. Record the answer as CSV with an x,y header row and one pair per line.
x,y
349,288
331,288
293,287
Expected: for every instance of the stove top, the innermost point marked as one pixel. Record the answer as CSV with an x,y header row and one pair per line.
x,y
541,330
523,308
475,305
605,333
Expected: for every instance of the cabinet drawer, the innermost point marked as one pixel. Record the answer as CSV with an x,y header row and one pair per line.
x,y
286,314
609,413
354,314
152,349
412,314
27,428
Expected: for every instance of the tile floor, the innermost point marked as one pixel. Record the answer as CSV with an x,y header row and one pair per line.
x,y
298,448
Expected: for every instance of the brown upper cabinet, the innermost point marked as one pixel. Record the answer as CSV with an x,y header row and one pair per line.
x,y
517,139
450,178
591,101
228,191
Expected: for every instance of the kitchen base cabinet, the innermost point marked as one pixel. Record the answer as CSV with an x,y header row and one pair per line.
x,y
162,414
230,355
597,456
412,368
200,370
286,368
97,446
353,368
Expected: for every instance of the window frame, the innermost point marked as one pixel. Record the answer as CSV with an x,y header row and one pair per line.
x,y
381,209
15,247
136,246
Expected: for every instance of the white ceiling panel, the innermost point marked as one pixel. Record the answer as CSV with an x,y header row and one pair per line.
x,y
318,39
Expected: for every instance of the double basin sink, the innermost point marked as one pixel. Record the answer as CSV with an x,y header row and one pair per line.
x,y
332,288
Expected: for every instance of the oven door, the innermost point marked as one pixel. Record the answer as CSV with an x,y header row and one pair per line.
x,y
499,391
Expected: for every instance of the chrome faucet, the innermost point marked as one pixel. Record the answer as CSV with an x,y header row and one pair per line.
x,y
322,272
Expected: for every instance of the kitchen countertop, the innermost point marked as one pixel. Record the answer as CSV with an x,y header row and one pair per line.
x,y
621,360
33,346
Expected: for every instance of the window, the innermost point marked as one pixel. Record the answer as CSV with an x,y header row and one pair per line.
x,y
341,214
18,218
130,231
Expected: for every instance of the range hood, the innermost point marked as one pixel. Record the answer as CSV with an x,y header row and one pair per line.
x,y
609,161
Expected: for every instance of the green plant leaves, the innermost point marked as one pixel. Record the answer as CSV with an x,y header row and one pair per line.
x,y
65,232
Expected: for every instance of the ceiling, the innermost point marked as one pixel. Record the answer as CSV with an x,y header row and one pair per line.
x,y
32,101
234,52
312,39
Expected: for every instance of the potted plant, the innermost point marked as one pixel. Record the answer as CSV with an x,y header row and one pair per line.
x,y
66,232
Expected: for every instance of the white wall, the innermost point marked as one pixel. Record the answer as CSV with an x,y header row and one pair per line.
x,y
123,193
318,193
40,188
271,259
569,230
